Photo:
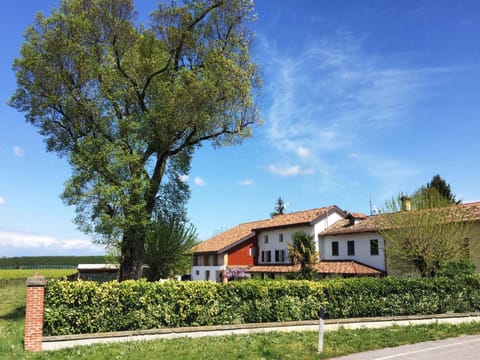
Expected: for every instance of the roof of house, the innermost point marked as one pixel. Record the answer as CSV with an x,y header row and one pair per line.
x,y
305,217
323,267
244,231
97,267
228,238
358,215
472,210
466,212
369,224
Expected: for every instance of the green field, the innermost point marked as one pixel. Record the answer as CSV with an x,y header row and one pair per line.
x,y
48,262
257,346
22,274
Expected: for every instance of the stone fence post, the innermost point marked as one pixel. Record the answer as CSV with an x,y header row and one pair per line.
x,y
34,312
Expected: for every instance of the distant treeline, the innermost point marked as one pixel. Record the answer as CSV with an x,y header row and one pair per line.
x,y
48,262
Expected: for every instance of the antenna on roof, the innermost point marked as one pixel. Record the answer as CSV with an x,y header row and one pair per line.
x,y
373,208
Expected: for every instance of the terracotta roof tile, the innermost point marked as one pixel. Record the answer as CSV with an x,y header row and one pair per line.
x,y
297,218
227,238
468,212
358,215
246,230
369,224
322,267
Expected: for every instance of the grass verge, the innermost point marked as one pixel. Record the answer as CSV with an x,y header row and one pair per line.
x,y
256,346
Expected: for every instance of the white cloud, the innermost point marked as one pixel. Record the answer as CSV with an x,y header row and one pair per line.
x,y
290,170
183,178
2,201
342,98
303,151
24,241
246,182
199,181
18,151
342,92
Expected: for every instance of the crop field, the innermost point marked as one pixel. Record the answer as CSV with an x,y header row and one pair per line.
x,y
14,275
48,262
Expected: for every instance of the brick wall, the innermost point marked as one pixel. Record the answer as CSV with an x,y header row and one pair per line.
x,y
34,312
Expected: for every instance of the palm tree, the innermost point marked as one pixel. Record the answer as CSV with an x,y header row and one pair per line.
x,y
168,247
302,251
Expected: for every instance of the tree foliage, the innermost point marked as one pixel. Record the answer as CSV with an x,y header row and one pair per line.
x,y
432,232
443,188
168,248
302,251
127,105
279,208
456,269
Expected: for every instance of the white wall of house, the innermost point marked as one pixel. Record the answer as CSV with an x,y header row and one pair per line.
x,y
362,245
211,273
332,217
324,223
270,241
274,244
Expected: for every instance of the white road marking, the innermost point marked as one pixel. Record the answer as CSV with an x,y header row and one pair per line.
x,y
425,350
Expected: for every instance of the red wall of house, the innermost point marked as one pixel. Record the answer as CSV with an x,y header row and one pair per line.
x,y
240,255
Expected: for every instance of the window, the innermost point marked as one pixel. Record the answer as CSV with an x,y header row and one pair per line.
x,y
280,238
266,239
334,248
279,255
351,248
197,272
195,260
374,247
207,274
251,251
206,260
266,256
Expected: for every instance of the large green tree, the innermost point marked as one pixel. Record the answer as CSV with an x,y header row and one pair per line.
x,y
124,102
431,232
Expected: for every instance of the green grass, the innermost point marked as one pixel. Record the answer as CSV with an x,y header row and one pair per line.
x,y
258,346
22,274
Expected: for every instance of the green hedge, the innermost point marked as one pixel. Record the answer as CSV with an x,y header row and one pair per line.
x,y
86,307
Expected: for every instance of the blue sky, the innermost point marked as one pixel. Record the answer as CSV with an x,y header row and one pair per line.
x,y
361,100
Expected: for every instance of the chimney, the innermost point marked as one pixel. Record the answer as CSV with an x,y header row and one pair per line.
x,y
406,203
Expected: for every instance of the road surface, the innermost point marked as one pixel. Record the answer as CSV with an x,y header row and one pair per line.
x,y
459,348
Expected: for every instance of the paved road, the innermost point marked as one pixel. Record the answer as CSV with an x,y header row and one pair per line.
x,y
459,348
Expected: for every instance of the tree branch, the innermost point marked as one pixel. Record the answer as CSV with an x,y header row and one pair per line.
x,y
178,50
140,95
155,181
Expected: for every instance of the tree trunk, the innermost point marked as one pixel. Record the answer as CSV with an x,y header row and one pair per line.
x,y
133,254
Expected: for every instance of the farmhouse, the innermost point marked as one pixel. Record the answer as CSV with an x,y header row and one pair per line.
x,y
260,247
348,244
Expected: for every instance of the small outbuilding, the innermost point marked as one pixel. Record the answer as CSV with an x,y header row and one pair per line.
x,y
95,272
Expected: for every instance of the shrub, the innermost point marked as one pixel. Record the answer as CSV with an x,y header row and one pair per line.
x,y
455,268
85,307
